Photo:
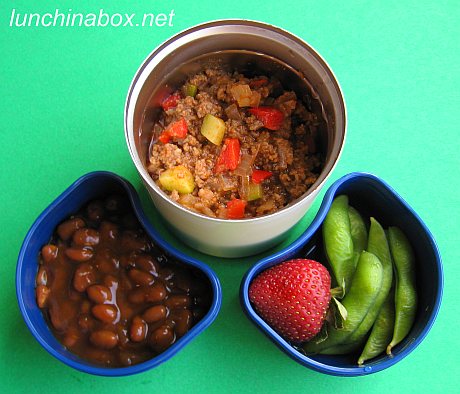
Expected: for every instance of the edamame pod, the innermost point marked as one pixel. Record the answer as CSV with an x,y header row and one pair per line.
x,y
367,284
405,292
382,331
338,243
358,232
378,245
344,348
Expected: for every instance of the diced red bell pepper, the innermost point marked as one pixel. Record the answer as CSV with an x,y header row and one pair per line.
x,y
272,118
235,208
164,137
258,83
229,157
170,101
177,129
259,175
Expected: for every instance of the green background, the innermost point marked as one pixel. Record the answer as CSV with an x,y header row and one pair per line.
x,y
62,97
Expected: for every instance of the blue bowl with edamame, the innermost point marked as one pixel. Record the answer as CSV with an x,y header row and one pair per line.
x,y
371,196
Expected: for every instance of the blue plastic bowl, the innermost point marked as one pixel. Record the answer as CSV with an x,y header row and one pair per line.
x,y
373,197
86,188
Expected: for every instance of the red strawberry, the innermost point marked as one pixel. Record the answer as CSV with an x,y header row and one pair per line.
x,y
293,298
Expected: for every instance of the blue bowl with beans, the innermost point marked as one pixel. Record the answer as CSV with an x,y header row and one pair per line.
x,y
101,290
372,197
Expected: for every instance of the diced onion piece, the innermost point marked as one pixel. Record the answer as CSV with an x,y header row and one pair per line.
x,y
213,128
228,182
245,166
244,96
266,207
243,188
188,200
232,112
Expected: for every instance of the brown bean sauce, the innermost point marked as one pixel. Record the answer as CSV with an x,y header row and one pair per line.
x,y
109,294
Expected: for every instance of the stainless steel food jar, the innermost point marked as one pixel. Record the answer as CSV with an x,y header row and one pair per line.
x,y
235,45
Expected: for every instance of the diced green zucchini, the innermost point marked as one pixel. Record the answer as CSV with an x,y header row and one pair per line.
x,y
190,90
177,178
213,128
255,191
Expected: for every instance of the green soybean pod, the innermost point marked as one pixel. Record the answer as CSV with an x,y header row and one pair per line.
x,y
405,291
382,331
344,348
378,245
367,284
358,232
338,243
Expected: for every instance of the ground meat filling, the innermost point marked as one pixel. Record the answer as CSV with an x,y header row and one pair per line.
x,y
233,147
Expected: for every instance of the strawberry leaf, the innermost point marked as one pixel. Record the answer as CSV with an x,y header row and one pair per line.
x,y
340,313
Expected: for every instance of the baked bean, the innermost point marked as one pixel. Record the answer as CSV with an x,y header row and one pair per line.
x,y
162,338
110,281
105,313
61,314
108,231
122,333
154,313
146,263
127,261
86,322
166,273
156,293
79,254
66,229
183,320
140,278
101,289
178,301
49,253
85,237
74,295
138,329
71,338
99,356
95,210
42,292
84,277
114,203
104,339
99,294
125,282
85,306
105,266
42,277
137,296
131,241
128,358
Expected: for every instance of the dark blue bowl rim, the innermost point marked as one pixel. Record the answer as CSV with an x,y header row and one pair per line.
x,y
155,235
290,251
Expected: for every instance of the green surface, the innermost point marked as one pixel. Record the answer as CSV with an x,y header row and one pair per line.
x,y
63,91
